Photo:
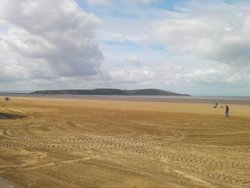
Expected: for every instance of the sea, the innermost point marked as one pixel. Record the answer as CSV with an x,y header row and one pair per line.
x,y
198,99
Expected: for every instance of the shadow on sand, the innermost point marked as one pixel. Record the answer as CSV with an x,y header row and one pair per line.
x,y
10,116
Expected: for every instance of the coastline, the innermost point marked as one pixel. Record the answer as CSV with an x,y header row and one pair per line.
x,y
175,99
146,104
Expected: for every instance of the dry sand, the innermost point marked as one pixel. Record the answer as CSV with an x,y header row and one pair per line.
x,y
95,143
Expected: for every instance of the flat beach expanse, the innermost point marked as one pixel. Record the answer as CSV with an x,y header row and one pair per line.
x,y
49,142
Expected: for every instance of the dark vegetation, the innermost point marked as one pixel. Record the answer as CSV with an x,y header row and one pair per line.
x,y
109,92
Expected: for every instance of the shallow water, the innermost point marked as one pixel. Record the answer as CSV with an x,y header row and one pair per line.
x,y
199,99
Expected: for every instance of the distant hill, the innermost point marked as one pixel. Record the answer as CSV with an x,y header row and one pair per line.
x,y
108,92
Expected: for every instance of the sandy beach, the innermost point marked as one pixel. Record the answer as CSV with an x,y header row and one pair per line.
x,y
48,142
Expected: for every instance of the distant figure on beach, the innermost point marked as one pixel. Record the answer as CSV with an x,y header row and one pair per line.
x,y
227,111
215,105
7,99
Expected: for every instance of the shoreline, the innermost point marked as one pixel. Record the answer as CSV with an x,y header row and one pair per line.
x,y
144,104
174,99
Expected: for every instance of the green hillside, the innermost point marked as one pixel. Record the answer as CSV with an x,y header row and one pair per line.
x,y
106,91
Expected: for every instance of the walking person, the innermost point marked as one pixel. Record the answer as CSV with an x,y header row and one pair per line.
x,y
227,111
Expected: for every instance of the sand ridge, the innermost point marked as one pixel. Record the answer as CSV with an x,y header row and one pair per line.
x,y
95,143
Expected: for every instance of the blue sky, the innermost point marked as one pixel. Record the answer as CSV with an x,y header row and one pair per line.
x,y
186,46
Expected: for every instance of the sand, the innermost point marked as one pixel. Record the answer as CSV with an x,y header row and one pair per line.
x,y
102,143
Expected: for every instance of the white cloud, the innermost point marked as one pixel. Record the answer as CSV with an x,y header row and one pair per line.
x,y
125,2
145,2
134,61
47,39
99,2
216,31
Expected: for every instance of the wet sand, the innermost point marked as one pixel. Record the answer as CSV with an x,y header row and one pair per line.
x,y
112,143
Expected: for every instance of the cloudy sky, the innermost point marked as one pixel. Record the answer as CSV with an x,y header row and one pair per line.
x,y
187,46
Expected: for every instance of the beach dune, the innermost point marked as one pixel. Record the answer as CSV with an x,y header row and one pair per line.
x,y
52,142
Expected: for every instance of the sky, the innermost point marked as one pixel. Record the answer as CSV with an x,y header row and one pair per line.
x,y
186,46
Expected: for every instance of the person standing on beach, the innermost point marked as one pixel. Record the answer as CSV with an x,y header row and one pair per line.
x,y
227,111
